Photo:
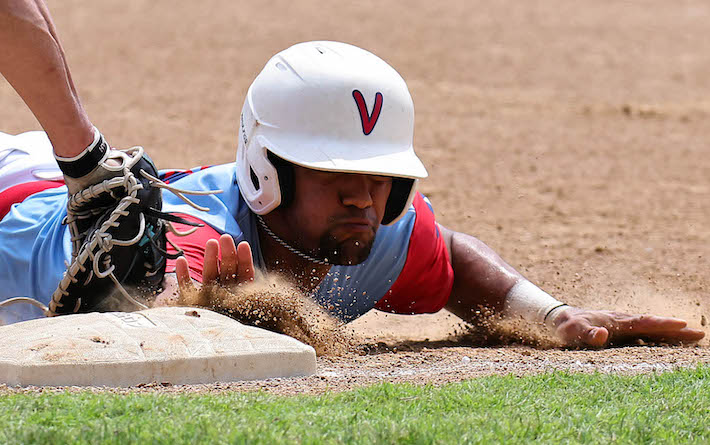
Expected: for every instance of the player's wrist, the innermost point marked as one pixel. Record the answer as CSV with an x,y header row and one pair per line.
x,y
529,302
87,160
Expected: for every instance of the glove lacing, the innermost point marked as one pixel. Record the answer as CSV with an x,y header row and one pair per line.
x,y
104,241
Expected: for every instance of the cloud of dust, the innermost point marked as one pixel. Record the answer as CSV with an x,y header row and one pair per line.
x,y
493,330
273,303
117,302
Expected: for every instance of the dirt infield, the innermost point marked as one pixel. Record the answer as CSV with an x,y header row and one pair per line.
x,y
570,136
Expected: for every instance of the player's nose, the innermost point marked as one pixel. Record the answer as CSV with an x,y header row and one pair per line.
x,y
356,190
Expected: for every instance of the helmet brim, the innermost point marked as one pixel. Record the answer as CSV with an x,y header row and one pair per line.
x,y
370,159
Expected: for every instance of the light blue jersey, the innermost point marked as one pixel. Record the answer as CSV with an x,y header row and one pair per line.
x,y
34,246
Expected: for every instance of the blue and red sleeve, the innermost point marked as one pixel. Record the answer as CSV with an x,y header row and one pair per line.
x,y
426,280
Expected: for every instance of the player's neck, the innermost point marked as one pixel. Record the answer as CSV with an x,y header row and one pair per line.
x,y
306,273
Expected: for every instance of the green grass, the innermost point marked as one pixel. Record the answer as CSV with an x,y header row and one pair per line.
x,y
665,408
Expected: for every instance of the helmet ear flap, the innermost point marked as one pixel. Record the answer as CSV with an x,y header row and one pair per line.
x,y
284,171
399,199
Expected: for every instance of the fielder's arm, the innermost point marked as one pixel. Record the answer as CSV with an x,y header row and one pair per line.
x,y
33,62
483,280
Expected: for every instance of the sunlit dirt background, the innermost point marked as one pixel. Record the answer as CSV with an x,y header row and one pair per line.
x,y
571,136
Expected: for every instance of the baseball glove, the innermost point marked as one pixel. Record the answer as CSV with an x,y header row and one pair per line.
x,y
118,236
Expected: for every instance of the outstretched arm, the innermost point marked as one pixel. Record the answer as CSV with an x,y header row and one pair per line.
x,y
33,62
483,280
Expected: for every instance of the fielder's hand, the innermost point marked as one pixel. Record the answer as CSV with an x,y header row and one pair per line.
x,y
580,327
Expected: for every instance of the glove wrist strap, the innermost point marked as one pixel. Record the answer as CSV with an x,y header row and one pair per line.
x,y
86,161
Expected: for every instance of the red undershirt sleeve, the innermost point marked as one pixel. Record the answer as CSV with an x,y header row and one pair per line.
x,y
426,280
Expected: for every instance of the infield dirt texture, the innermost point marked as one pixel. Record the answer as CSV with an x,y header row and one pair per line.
x,y
571,136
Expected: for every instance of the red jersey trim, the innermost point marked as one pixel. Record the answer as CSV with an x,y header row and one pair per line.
x,y
425,283
193,245
20,192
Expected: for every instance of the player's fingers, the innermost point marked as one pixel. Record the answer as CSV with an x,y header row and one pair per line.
x,y
210,271
245,265
691,335
580,332
650,324
228,264
651,327
182,271
685,335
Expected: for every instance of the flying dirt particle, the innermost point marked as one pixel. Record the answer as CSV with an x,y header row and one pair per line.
x,y
703,320
192,314
648,111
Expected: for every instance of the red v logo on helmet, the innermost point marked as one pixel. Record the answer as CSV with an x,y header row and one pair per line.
x,y
368,120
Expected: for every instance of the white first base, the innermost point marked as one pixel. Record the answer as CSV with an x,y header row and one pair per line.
x,y
172,344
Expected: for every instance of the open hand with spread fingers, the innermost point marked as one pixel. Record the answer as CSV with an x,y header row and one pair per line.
x,y
580,327
233,267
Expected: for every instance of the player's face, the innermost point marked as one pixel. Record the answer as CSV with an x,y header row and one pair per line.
x,y
336,215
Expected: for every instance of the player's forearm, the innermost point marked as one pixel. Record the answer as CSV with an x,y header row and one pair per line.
x,y
481,278
33,63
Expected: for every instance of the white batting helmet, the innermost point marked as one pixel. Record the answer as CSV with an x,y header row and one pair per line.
x,y
327,106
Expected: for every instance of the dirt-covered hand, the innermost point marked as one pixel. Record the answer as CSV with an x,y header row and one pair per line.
x,y
235,266
580,327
